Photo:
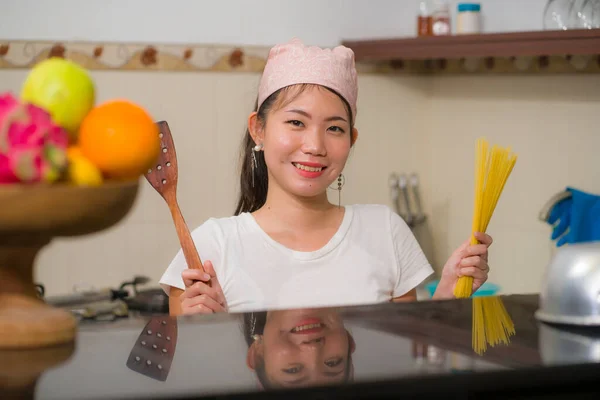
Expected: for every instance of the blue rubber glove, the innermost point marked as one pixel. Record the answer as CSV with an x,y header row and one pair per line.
x,y
579,218
561,212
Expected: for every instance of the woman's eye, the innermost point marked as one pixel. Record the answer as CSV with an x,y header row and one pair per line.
x,y
293,370
336,129
295,122
334,363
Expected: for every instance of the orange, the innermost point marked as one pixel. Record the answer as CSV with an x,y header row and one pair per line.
x,y
120,138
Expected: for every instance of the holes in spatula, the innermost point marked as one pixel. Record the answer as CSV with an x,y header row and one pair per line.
x,y
159,167
160,135
164,181
149,170
164,150
168,163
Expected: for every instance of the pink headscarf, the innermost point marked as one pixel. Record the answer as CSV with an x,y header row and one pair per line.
x,y
294,63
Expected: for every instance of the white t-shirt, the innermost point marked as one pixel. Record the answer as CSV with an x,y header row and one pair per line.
x,y
372,258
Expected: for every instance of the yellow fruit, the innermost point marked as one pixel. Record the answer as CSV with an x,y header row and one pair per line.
x,y
82,171
64,89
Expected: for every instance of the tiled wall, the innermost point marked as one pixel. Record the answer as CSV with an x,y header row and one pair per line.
x,y
550,122
422,125
207,113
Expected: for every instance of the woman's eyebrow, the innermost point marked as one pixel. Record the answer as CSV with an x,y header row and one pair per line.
x,y
307,115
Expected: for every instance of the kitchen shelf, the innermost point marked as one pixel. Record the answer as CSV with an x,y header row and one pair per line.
x,y
540,51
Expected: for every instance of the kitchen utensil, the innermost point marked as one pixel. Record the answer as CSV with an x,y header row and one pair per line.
x,y
163,178
419,215
403,185
571,287
101,310
93,303
137,280
31,216
89,296
149,301
393,182
153,351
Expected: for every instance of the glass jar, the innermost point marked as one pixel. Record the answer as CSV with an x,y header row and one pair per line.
x,y
557,14
440,19
585,14
424,20
468,20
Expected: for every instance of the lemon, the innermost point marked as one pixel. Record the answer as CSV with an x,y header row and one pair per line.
x,y
81,171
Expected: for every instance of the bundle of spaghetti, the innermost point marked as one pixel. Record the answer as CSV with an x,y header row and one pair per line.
x,y
491,323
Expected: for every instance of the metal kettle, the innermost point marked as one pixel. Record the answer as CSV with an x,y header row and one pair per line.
x,y
571,287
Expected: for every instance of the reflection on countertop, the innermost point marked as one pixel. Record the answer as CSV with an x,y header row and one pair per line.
x,y
156,355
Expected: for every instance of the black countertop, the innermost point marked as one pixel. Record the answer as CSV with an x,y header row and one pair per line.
x,y
394,350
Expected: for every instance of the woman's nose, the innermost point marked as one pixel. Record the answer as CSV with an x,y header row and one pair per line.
x,y
314,143
314,343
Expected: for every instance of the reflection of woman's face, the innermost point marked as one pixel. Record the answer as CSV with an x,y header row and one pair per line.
x,y
305,346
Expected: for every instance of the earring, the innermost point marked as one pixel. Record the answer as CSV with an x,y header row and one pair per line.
x,y
254,162
341,180
256,338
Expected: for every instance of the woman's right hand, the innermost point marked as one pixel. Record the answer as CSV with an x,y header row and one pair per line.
x,y
199,297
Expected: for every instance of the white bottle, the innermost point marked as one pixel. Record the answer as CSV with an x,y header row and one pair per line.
x,y
468,20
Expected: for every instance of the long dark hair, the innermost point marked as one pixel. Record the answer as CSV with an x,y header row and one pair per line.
x,y
253,189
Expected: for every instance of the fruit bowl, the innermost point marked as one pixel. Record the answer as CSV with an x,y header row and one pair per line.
x,y
30,217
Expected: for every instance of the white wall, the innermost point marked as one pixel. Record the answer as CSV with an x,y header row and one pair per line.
x,y
255,22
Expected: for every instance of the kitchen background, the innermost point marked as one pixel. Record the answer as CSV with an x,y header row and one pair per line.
x,y
408,124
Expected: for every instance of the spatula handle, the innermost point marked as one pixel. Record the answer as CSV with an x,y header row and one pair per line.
x,y
185,238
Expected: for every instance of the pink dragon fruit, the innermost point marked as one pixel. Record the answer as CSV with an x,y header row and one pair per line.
x,y
32,147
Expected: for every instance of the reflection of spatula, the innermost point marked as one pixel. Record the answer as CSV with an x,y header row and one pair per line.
x,y
163,178
154,349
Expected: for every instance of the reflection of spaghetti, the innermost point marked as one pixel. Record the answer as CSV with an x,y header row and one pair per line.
x,y
491,323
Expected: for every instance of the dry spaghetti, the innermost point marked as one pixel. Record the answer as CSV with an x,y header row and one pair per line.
x,y
491,323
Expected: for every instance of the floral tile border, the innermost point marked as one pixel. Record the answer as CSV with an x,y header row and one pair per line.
x,y
143,57
223,58
131,56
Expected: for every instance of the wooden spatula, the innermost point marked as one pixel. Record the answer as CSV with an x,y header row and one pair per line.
x,y
163,178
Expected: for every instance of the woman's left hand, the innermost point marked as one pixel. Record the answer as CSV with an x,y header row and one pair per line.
x,y
467,260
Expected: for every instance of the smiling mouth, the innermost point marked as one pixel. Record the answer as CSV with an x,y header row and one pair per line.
x,y
308,168
307,328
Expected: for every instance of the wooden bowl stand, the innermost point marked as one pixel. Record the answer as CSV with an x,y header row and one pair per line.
x,y
30,217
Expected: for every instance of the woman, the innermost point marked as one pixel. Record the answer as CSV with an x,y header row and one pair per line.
x,y
288,246
301,347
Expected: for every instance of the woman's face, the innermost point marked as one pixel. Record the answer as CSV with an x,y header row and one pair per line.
x,y
306,142
303,347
